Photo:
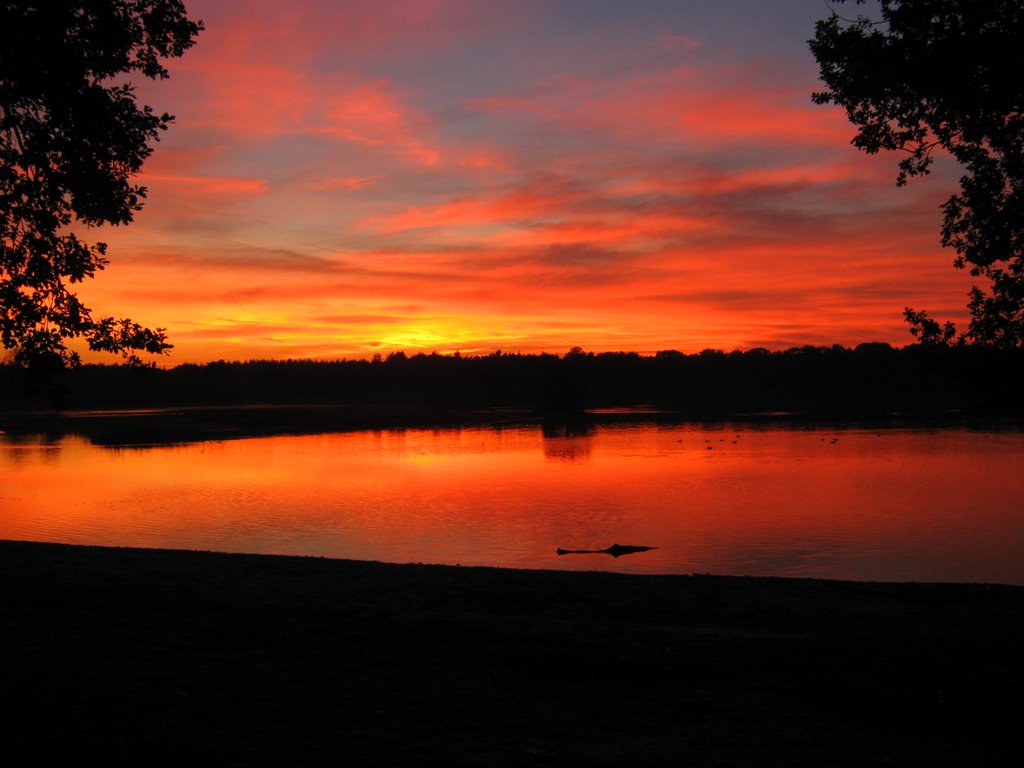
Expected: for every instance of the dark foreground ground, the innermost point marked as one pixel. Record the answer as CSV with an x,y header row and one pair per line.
x,y
158,657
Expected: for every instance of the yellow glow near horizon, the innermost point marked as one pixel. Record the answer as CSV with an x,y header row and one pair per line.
x,y
641,197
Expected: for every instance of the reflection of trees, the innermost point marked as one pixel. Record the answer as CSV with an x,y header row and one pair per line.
x,y
23,449
561,428
568,440
572,450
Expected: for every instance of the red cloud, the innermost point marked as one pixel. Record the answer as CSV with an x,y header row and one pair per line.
x,y
320,171
206,185
371,114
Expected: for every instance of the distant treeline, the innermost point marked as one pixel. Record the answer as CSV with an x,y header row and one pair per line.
x,y
870,380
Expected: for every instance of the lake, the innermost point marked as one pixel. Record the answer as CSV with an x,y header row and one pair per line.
x,y
889,504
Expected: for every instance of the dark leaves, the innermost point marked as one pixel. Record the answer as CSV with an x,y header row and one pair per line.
x,y
946,74
71,139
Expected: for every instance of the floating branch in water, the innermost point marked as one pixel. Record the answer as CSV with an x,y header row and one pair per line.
x,y
615,550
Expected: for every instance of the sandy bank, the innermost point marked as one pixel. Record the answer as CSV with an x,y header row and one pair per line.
x,y
153,657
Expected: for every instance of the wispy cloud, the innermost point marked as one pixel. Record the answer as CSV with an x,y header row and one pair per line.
x,y
346,178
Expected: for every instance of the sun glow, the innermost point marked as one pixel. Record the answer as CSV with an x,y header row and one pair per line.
x,y
401,192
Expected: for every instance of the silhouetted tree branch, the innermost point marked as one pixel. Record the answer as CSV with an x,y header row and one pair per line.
x,y
946,74
71,138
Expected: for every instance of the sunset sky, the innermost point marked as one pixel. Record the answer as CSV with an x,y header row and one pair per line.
x,y
347,178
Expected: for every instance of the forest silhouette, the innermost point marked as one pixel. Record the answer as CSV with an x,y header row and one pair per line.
x,y
868,381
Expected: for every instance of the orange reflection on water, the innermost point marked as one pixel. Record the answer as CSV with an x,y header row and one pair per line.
x,y
897,504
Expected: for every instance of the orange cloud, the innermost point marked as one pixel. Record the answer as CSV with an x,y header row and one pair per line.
x,y
344,182
371,114
346,178
248,100
206,185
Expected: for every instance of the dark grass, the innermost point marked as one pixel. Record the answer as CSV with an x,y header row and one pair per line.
x,y
160,657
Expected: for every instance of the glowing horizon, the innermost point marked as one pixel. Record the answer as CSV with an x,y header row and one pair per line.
x,y
446,175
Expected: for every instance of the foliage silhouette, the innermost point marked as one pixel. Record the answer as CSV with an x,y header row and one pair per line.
x,y
949,74
870,381
71,138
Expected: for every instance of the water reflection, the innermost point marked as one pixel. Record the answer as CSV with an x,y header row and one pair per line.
x,y
21,448
567,440
897,504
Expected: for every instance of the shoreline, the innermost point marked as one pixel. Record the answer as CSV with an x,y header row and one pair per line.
x,y
189,424
162,655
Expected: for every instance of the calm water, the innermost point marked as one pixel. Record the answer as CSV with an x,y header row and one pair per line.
x,y
941,505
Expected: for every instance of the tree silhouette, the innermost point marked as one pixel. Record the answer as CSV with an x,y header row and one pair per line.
x,y
71,138
949,74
